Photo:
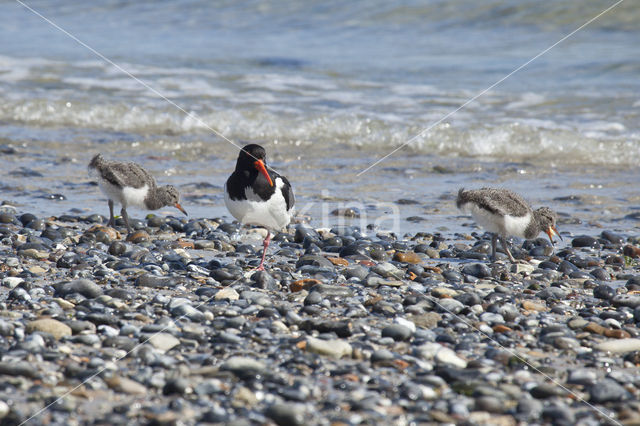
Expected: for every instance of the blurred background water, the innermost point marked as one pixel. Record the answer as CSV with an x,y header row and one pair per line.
x,y
327,87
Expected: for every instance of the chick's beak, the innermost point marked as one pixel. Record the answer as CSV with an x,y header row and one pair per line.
x,y
551,231
179,207
259,164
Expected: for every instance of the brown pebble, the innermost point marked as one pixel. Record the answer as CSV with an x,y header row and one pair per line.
x,y
616,333
409,257
592,327
351,377
631,251
143,318
338,261
49,325
304,284
400,364
138,237
372,300
531,306
500,328
111,233
185,244
614,260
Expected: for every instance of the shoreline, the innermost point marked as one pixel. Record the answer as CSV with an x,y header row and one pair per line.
x,y
343,327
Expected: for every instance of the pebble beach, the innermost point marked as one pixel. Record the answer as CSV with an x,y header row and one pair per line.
x,y
170,325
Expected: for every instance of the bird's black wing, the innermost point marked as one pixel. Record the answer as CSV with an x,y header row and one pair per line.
x,y
287,193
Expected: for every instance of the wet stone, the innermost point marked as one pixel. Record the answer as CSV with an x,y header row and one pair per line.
x,y
19,368
600,274
37,224
450,305
330,348
163,341
607,390
478,270
154,281
48,325
357,271
381,355
552,293
619,346
633,283
628,300
85,287
490,404
453,276
7,218
469,299
304,231
329,290
397,332
27,218
604,291
263,280
582,377
177,386
287,414
314,260
557,413
585,241
546,390
117,248
613,238
243,365
51,234
313,298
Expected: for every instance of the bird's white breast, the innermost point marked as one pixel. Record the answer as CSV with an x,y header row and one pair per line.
x,y
515,225
503,225
127,196
271,214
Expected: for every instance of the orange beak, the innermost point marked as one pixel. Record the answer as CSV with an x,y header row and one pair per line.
x,y
551,231
259,164
179,207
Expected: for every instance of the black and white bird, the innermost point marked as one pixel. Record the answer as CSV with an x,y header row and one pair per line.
x,y
128,184
257,195
504,213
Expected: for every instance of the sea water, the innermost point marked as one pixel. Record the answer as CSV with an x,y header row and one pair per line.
x,y
329,88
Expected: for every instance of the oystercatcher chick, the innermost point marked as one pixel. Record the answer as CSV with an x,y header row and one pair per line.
x,y
128,184
255,195
505,213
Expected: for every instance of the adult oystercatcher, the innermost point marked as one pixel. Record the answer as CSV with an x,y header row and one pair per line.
x,y
130,185
504,213
256,195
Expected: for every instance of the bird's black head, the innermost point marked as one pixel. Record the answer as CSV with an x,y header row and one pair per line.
x,y
253,158
249,154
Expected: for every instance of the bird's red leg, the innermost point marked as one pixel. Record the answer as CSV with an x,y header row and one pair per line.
x,y
264,251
